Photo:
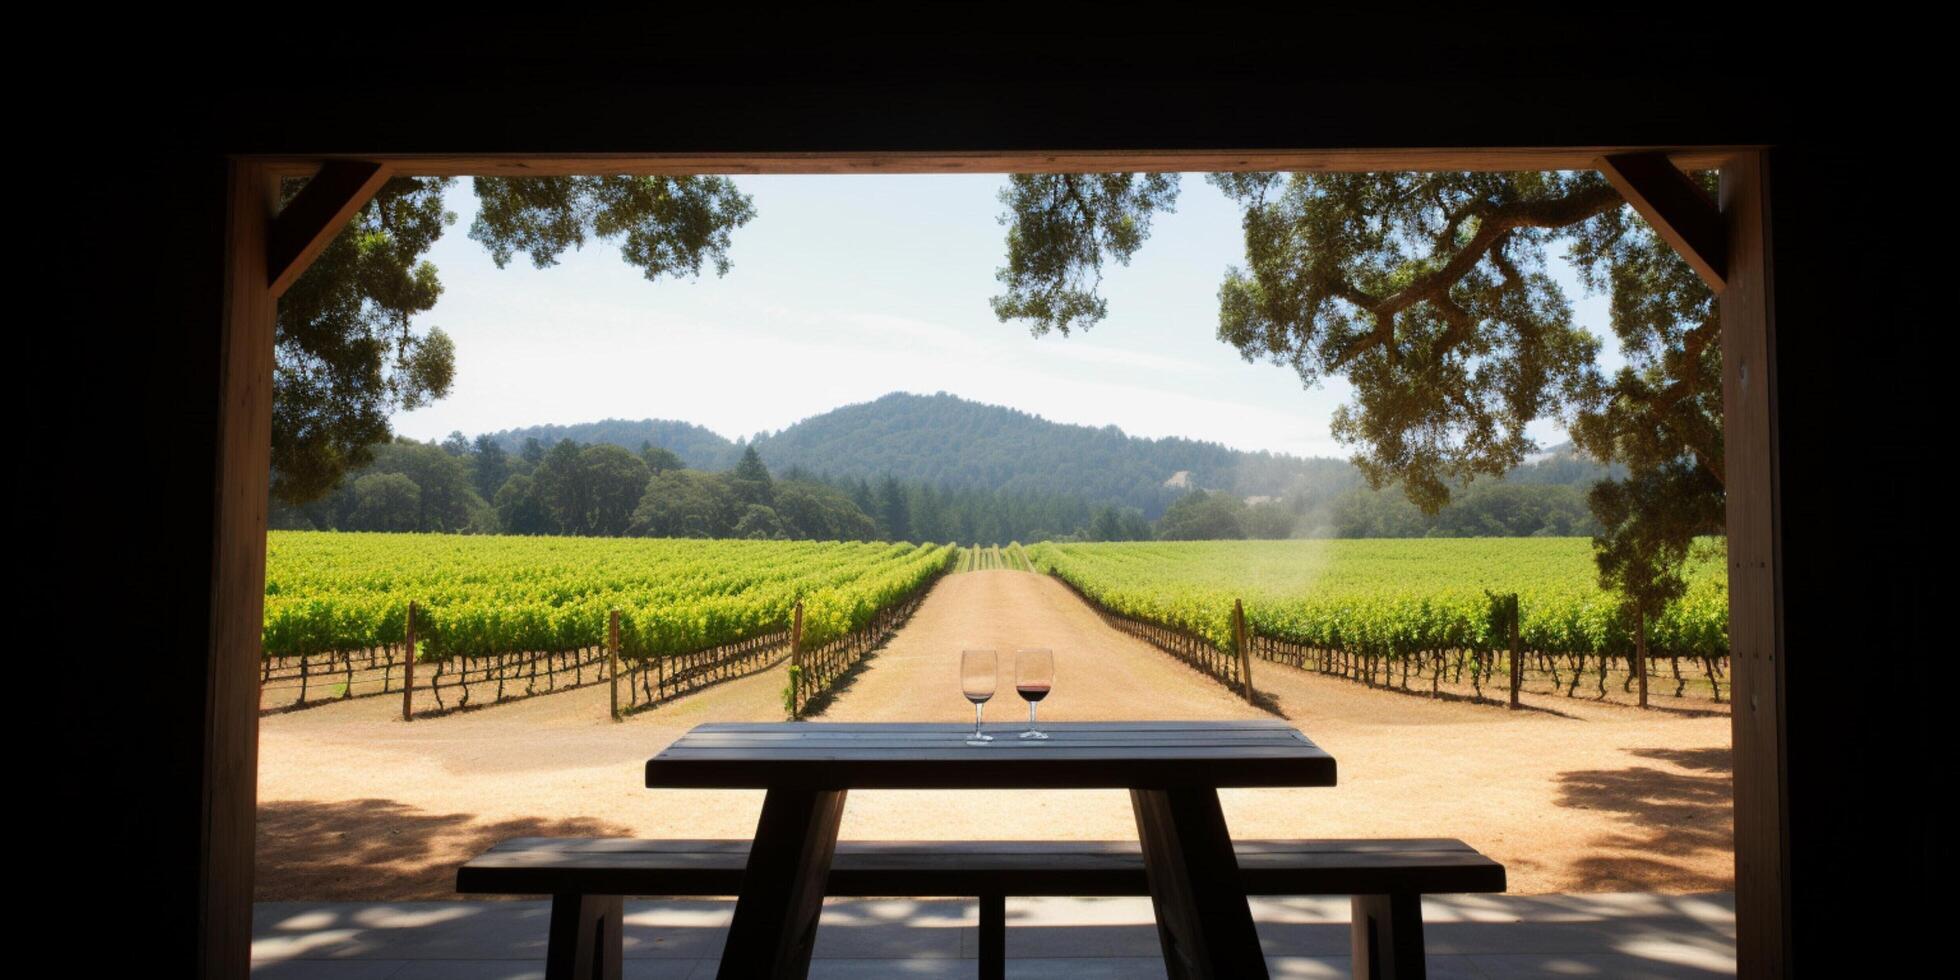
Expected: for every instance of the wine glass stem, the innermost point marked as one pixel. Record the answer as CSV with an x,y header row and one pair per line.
x,y
976,719
1031,725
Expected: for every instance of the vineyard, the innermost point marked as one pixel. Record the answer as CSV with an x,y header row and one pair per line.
x,y
1406,614
978,558
498,618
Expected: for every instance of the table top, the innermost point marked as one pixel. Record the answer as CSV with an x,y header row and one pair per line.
x,y
1076,755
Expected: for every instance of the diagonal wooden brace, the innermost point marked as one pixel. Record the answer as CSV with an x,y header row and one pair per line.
x,y
1680,212
306,225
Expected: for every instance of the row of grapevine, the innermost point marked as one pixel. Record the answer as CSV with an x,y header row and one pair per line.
x,y
1372,608
490,605
977,558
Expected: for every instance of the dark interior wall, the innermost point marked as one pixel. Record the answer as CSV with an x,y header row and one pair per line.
x,y
124,380
128,371
1864,541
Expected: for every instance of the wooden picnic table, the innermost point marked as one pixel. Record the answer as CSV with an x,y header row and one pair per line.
x,y
1173,770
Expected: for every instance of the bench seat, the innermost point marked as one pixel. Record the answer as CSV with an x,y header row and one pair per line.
x,y
587,877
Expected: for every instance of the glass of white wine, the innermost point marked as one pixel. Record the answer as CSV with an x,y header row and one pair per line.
x,y
977,671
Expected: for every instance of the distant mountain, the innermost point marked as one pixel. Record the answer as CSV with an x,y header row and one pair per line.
x,y
954,443
699,448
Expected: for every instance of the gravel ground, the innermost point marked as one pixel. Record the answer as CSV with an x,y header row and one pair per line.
x,y
1572,796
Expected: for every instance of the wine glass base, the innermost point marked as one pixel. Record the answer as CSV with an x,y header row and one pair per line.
x,y
980,741
1034,734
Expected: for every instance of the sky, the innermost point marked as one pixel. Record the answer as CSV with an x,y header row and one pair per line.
x,y
845,288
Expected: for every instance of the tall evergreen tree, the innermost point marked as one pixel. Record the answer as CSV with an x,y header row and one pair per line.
x,y
894,516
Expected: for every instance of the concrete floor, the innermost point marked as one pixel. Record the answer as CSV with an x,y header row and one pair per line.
x,y
1472,936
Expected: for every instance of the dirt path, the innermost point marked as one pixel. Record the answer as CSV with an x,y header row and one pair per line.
x,y
357,804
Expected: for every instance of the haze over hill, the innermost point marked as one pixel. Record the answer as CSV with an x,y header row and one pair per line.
x,y
955,443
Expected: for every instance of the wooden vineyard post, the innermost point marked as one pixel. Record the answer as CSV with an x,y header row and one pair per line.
x,y
408,669
1517,658
796,662
1244,648
612,659
1640,652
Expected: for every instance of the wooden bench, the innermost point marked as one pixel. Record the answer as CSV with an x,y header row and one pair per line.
x,y
587,879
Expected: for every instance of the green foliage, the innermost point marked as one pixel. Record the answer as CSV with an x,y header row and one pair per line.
x,y
347,355
750,480
487,595
663,225
1390,598
1428,293
1059,228
660,459
953,444
386,502
1201,516
789,691
520,510
683,504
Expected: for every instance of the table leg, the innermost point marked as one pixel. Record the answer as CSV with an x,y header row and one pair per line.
x,y
993,937
775,923
584,941
1387,937
1203,918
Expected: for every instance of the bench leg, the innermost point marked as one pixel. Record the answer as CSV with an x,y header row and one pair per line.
x,y
993,937
1386,937
584,942
1203,919
775,925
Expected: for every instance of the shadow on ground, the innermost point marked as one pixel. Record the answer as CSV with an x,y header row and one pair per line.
x,y
1663,814
382,849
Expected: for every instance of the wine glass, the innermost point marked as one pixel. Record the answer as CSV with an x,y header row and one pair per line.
x,y
977,670
1034,676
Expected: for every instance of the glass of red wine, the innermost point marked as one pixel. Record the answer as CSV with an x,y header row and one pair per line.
x,y
1034,677
977,671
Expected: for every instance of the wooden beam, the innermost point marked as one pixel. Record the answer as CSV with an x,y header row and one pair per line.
x,y
231,735
1677,209
317,213
1756,637
1005,161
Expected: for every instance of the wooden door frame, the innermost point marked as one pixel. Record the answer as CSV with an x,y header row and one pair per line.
x,y
241,481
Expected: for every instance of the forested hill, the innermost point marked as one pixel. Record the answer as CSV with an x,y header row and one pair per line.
x,y
699,448
950,442
953,443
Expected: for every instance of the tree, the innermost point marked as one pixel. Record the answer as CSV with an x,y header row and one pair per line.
x,y
682,504
757,522
814,512
489,467
615,480
1107,526
750,480
561,486
1268,520
1201,516
447,500
894,515
1062,225
1428,294
519,508
347,354
386,502
659,459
